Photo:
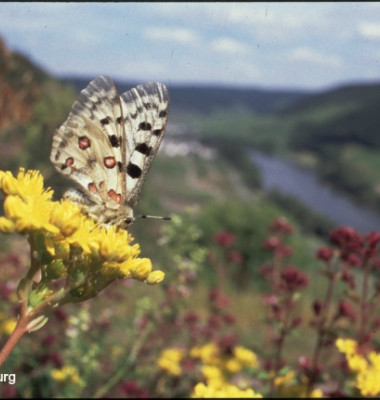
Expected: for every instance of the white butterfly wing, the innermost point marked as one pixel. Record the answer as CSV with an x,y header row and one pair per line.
x,y
87,147
145,110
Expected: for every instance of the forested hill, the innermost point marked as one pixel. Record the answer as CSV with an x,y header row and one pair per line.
x,y
205,99
348,114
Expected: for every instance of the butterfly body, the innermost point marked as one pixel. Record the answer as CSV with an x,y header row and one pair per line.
x,y
107,145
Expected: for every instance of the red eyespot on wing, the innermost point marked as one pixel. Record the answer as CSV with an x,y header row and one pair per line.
x,y
115,196
69,161
92,187
84,142
109,162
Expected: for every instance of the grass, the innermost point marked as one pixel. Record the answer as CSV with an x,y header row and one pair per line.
x,y
366,162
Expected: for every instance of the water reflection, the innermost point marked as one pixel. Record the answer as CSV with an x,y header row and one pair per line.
x,y
292,180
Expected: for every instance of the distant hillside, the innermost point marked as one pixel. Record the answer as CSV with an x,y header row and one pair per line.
x,y
367,93
341,129
344,115
205,99
32,105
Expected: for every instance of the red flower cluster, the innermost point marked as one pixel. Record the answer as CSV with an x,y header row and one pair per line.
x,y
217,299
293,279
281,225
346,310
133,390
224,238
324,254
355,248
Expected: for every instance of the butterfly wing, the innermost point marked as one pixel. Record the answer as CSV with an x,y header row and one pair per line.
x,y
145,110
87,147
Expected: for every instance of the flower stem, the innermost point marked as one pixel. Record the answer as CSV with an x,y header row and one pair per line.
x,y
321,331
364,305
17,334
123,370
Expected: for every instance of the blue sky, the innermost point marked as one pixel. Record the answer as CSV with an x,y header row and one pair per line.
x,y
268,45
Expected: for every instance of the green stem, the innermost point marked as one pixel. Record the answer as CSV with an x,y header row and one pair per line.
x,y
321,331
364,303
121,373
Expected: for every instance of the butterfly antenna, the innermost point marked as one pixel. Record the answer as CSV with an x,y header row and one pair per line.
x,y
154,216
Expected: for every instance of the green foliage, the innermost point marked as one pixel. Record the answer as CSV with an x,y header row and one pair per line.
x,y
312,222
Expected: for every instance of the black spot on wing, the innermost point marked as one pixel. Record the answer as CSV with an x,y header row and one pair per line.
x,y
145,126
63,143
106,121
143,148
133,170
114,140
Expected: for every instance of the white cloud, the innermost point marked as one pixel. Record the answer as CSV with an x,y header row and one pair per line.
x,y
171,34
370,30
229,46
309,55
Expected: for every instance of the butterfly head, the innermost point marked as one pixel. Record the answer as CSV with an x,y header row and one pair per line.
x,y
123,217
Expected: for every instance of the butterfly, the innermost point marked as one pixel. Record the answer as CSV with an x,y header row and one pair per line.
x,y
107,145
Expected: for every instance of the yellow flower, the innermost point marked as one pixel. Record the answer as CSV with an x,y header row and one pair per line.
x,y
346,346
66,374
7,326
368,382
283,380
246,357
212,373
6,225
155,277
65,243
356,362
316,394
113,244
142,268
86,236
374,359
367,370
232,365
25,185
223,391
209,353
170,360
66,216
32,214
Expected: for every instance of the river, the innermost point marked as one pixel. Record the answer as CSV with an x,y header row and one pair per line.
x,y
304,185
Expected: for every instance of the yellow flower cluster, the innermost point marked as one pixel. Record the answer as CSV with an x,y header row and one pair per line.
x,y
283,380
67,242
215,368
367,369
211,356
67,374
225,390
170,361
218,367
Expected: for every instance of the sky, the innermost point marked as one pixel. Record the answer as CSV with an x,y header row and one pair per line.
x,y
300,45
